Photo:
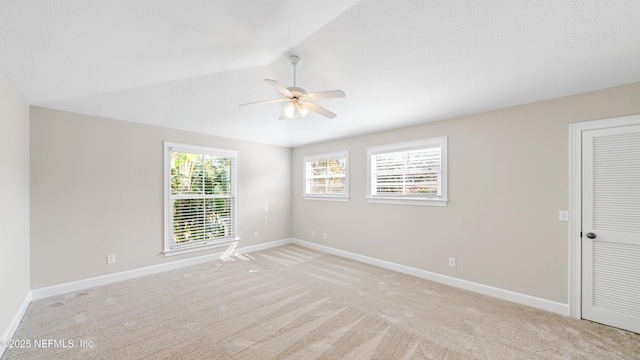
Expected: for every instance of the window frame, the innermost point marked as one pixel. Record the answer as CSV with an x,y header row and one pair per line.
x,y
326,156
442,200
170,248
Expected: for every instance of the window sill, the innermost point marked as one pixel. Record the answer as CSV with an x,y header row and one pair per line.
x,y
408,201
326,198
185,249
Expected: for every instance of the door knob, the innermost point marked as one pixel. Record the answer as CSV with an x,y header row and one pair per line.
x,y
591,235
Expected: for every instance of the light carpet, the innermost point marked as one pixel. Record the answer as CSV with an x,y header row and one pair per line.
x,y
290,302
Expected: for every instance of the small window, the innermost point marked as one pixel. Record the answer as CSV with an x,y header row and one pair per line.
x,y
409,173
325,176
201,198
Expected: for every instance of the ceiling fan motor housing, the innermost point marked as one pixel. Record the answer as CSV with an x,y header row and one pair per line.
x,y
296,92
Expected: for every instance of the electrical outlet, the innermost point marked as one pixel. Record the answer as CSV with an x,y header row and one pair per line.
x,y
255,234
324,236
313,233
452,262
111,259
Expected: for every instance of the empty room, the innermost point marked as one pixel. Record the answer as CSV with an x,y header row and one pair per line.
x,y
356,179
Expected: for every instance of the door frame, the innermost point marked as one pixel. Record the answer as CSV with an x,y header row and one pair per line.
x,y
575,202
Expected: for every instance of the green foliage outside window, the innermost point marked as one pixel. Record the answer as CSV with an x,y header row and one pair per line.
x,y
201,197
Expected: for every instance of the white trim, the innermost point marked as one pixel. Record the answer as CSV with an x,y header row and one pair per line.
x,y
15,322
575,202
169,247
407,201
200,246
575,220
171,146
326,156
54,290
407,145
263,246
543,304
519,298
42,293
439,141
326,197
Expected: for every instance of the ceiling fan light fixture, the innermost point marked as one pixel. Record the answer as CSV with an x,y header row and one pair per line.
x,y
303,110
289,110
294,109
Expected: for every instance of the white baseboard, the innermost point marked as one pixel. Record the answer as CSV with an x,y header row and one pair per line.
x,y
15,322
264,246
548,305
60,289
42,293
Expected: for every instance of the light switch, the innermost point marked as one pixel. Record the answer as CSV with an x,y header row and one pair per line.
x,y
564,215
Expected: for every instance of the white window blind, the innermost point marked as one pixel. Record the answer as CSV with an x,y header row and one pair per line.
x,y
201,197
408,171
326,177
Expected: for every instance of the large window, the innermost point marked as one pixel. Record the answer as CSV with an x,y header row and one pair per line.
x,y
325,176
201,199
409,173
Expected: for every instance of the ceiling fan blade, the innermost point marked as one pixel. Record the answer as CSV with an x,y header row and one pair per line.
x,y
264,102
319,109
283,89
331,94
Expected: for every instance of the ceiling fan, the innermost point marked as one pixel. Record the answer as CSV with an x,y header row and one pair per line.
x,y
299,102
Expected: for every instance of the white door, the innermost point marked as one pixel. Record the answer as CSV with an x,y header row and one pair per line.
x,y
611,226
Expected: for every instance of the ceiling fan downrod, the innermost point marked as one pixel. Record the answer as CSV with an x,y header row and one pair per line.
x,y
295,60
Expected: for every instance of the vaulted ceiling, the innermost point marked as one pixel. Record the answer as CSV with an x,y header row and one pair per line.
x,y
188,64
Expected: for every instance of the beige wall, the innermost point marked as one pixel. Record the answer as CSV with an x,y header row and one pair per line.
x,y
97,189
97,185
508,178
14,207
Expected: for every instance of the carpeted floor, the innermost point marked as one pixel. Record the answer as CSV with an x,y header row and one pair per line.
x,y
294,303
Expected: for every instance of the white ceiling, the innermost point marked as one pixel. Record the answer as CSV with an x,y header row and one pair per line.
x,y
187,64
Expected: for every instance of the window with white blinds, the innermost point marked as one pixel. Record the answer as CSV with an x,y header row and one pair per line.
x,y
409,173
326,176
201,197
